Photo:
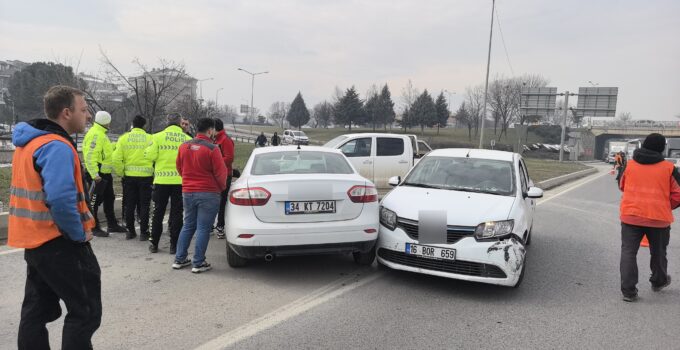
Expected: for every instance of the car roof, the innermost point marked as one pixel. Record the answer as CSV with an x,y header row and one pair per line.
x,y
292,148
365,134
473,153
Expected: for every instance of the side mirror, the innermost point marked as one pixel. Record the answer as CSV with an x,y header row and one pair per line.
x,y
534,192
394,181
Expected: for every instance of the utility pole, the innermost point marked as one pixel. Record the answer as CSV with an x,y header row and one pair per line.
x,y
566,95
252,89
486,84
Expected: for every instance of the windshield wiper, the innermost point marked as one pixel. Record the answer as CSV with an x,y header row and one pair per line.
x,y
421,185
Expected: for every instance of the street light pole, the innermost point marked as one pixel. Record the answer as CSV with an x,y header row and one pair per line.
x,y
486,84
252,92
216,95
201,85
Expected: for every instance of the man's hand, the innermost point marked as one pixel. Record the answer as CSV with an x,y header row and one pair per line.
x,y
97,179
88,236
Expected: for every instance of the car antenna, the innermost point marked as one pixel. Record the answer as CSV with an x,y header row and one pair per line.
x,y
468,154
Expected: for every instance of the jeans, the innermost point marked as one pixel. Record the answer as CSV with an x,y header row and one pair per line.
x,y
630,243
161,195
200,209
66,270
223,204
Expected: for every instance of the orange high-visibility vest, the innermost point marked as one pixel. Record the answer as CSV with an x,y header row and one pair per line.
x,y
647,191
30,222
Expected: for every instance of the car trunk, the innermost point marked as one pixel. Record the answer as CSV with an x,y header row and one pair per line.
x,y
308,188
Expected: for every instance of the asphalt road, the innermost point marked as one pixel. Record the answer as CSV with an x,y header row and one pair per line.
x,y
570,296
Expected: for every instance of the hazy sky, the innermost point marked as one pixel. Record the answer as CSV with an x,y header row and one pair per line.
x,y
314,45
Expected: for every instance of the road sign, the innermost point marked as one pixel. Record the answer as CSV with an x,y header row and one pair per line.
x,y
538,101
244,109
596,102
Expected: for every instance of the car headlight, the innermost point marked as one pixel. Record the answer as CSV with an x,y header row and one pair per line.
x,y
494,229
388,218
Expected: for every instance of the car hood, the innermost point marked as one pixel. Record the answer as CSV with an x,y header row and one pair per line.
x,y
463,208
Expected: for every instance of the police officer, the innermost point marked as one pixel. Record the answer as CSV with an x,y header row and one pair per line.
x,y
167,181
129,161
97,151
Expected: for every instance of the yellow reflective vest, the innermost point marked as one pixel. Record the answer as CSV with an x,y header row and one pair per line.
x,y
97,151
163,152
128,157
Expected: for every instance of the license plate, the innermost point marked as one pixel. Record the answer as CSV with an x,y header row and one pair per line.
x,y
312,207
430,252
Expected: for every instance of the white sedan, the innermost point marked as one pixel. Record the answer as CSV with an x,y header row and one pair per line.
x,y
300,200
460,213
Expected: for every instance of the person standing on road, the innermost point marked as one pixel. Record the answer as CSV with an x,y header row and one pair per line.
x,y
226,145
167,181
49,217
651,190
129,162
276,140
186,126
261,140
97,151
204,177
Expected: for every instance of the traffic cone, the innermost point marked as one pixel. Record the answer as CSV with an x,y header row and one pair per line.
x,y
644,242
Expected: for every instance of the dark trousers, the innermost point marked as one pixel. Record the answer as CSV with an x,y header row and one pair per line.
x,y
104,195
61,269
162,194
630,242
137,200
223,203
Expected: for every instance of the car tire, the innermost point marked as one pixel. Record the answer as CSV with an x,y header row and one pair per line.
x,y
364,258
234,259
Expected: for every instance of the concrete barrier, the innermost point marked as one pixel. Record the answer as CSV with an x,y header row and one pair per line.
x,y
561,180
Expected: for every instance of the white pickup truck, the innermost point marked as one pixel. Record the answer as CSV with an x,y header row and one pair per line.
x,y
379,156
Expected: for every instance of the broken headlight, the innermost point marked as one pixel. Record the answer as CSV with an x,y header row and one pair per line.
x,y
493,229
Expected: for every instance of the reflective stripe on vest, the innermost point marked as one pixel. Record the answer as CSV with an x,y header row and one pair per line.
x,y
30,221
141,169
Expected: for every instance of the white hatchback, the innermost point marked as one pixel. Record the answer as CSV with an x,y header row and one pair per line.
x,y
460,213
300,200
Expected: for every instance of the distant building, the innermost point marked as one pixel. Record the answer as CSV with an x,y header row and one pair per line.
x,y
105,91
7,69
184,88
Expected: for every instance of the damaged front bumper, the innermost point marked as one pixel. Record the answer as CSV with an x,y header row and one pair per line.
x,y
495,262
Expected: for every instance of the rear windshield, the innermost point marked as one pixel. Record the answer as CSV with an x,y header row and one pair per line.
x,y
305,162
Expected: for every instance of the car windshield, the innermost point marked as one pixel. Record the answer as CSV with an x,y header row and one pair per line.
x,y
305,162
298,133
336,141
464,174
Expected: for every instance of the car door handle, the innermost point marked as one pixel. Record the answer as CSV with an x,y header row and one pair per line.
x,y
403,162
367,162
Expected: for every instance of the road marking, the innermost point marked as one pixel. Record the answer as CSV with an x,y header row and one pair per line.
x,y
574,186
297,307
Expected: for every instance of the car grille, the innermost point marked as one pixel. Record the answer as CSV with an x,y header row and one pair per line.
x,y
453,233
458,266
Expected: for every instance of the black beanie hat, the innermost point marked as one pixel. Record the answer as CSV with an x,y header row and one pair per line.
x,y
655,142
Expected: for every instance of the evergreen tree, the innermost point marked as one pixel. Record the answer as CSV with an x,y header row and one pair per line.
x,y
443,113
298,114
349,109
423,112
372,108
386,113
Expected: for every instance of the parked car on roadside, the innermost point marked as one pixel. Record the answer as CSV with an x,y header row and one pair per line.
x,y
479,204
291,201
294,137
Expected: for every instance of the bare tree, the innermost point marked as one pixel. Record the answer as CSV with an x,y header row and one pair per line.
x,y
322,114
504,103
624,118
156,90
409,94
474,97
278,112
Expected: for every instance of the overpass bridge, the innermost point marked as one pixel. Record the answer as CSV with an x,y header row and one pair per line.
x,y
604,133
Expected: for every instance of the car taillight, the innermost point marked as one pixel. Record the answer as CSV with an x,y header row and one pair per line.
x,y
255,196
363,194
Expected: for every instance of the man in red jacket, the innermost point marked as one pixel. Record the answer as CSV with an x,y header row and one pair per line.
x,y
204,176
226,145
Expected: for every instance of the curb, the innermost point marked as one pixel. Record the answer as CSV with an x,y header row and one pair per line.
x,y
561,180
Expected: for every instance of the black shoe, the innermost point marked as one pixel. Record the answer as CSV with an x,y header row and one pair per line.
x,y
153,248
659,288
116,229
144,237
131,235
173,250
220,232
98,232
630,298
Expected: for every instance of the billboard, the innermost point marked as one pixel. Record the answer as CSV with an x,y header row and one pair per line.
x,y
245,109
596,102
538,101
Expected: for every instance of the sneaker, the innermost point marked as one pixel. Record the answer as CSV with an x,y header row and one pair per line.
x,y
180,264
220,232
630,298
98,232
116,229
659,288
201,268
153,248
